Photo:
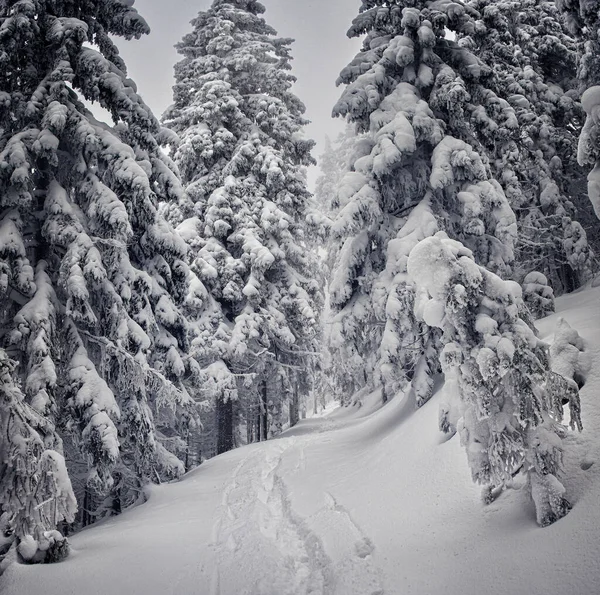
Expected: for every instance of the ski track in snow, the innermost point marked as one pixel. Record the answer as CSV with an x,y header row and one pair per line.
x,y
257,535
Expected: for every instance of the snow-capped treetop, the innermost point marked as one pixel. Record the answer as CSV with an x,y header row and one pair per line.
x,y
233,82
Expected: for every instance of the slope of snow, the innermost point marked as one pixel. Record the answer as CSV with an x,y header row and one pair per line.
x,y
359,502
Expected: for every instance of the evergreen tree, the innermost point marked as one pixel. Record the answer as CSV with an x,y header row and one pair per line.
x,y
583,19
92,278
533,63
420,98
499,367
241,156
334,163
35,489
331,173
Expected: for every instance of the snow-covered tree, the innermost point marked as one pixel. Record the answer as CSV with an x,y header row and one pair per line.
x,y
569,368
420,168
538,295
533,66
35,489
241,156
498,366
335,161
92,278
583,20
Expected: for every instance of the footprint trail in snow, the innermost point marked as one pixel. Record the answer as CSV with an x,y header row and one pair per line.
x,y
258,536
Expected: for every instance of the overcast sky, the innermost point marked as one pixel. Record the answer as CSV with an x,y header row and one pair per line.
x,y
320,52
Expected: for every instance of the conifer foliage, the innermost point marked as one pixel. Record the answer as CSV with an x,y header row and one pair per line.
x,y
35,491
493,359
241,156
92,278
417,96
583,18
533,63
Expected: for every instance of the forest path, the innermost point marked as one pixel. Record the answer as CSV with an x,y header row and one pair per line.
x,y
257,533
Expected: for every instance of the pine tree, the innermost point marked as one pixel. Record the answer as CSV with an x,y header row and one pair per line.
x,y
493,358
421,168
92,278
533,63
241,156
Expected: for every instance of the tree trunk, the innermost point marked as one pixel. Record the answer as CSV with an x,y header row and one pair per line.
x,y
250,427
224,425
258,423
567,276
570,278
187,449
294,406
264,413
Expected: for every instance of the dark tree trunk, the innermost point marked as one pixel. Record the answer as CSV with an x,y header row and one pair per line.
x,y
224,425
258,422
294,405
250,425
187,449
570,278
264,413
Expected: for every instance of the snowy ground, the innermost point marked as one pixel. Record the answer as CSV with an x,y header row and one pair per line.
x,y
359,502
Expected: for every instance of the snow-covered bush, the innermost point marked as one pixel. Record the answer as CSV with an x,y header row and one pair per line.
x,y
498,366
538,295
569,368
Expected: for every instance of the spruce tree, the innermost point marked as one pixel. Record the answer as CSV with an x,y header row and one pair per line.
x,y
493,358
418,96
242,155
583,20
35,490
533,62
334,164
92,278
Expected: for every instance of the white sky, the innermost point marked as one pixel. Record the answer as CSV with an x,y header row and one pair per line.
x,y
320,52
